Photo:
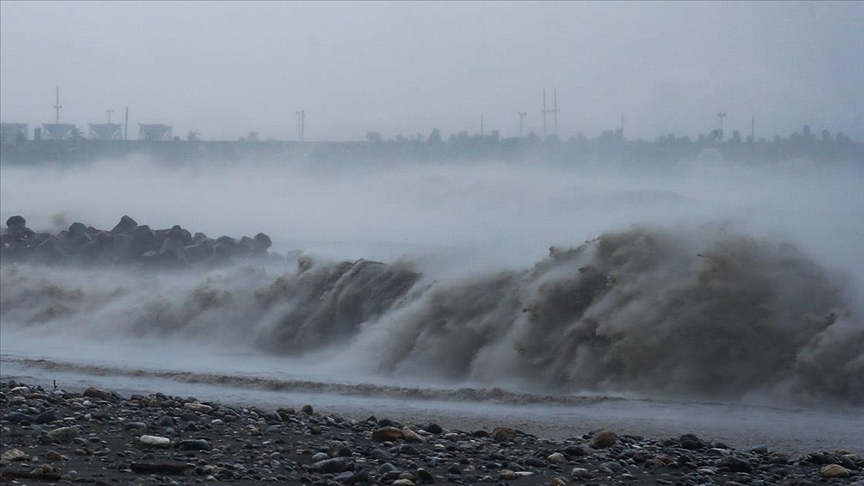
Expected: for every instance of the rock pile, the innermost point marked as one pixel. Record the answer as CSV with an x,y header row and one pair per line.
x,y
104,438
129,243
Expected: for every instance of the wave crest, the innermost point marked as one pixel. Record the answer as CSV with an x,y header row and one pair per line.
x,y
704,314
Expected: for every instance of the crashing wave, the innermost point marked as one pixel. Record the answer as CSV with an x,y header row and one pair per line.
x,y
703,314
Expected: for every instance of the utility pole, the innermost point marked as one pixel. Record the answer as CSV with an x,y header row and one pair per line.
x,y
544,113
521,115
753,128
622,126
57,106
555,109
301,122
126,126
109,115
481,125
721,116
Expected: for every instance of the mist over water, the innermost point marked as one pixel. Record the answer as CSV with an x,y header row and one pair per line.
x,y
705,280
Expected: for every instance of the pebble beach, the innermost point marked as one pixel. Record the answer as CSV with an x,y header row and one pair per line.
x,y
99,436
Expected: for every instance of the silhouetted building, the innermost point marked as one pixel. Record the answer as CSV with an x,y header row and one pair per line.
x,y
154,132
106,131
58,131
13,132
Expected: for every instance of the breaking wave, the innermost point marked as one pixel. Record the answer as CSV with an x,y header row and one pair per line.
x,y
703,314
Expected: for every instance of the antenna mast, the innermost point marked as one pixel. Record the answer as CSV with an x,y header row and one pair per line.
x,y
57,106
555,109
544,113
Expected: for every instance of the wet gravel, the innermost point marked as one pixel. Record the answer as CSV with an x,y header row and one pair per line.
x,y
101,437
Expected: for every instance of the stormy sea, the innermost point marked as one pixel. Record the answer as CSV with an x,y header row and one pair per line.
x,y
710,297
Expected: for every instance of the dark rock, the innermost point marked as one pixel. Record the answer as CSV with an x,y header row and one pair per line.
x,y
262,242
158,468
503,434
194,445
425,476
604,439
693,443
329,466
347,477
126,226
406,449
99,393
381,455
64,434
835,471
199,252
46,417
16,222
18,418
735,464
189,417
144,240
577,451
535,462
78,235
433,428
385,434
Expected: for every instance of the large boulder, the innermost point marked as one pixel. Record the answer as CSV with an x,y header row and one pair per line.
x,y
17,230
125,227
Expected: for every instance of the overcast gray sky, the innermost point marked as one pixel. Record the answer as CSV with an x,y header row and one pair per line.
x,y
224,68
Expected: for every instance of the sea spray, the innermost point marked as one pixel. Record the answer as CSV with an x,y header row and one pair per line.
x,y
705,314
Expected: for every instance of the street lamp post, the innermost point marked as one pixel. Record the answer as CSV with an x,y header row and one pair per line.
x,y
109,115
521,115
721,116
301,122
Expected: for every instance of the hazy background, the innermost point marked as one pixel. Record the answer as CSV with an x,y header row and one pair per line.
x,y
479,214
226,68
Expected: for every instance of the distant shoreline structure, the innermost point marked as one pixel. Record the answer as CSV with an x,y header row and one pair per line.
x,y
67,143
608,148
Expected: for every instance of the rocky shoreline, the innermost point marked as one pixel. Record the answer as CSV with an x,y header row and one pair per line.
x,y
129,243
101,437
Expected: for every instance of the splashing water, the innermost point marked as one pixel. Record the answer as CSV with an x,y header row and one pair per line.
x,y
701,314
